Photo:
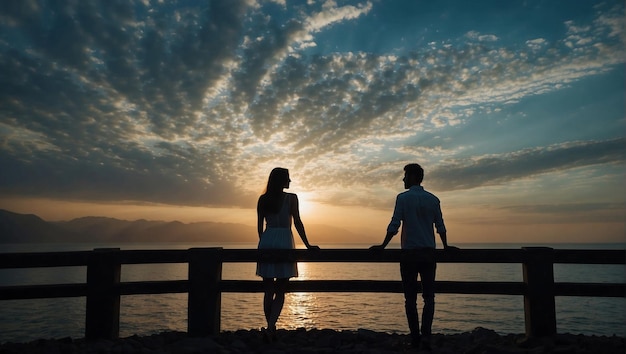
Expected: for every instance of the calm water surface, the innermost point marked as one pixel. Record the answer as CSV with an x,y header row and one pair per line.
x,y
25,320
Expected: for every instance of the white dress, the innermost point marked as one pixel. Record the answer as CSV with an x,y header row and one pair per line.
x,y
278,235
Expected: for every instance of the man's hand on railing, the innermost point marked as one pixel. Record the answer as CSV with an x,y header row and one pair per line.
x,y
377,248
313,248
451,248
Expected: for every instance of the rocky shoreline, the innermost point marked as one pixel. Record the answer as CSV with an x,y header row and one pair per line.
x,y
478,341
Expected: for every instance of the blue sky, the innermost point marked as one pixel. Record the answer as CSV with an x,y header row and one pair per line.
x,y
514,108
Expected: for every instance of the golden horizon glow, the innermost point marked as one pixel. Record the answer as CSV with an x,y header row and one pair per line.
x,y
366,225
307,206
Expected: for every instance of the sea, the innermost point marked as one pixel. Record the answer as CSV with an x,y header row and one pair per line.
x,y
29,320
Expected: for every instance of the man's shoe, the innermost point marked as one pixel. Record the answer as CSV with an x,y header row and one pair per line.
x,y
269,335
415,341
426,344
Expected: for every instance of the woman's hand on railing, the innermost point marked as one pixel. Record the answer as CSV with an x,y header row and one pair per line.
x,y
313,247
377,248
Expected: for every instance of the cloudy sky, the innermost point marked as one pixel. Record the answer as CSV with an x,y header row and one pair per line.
x,y
171,110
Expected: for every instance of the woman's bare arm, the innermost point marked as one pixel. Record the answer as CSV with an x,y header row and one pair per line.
x,y
259,216
297,221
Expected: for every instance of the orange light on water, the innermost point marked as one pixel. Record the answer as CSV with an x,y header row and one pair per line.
x,y
301,311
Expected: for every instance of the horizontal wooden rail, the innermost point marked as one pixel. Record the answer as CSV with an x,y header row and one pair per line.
x,y
204,284
378,286
154,287
590,289
44,259
22,292
80,258
590,256
19,292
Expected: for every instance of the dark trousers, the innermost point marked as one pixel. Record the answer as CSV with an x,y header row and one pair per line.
x,y
409,271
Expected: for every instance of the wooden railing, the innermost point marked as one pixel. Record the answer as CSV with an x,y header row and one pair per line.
x,y
205,285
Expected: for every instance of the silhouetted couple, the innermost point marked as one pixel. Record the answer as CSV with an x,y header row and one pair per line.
x,y
416,210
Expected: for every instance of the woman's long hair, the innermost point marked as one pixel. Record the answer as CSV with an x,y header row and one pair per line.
x,y
272,199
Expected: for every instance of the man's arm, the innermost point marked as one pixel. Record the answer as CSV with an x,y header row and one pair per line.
x,y
444,240
441,228
393,227
388,238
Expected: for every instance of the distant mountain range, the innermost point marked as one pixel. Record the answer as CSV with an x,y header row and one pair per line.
x,y
29,228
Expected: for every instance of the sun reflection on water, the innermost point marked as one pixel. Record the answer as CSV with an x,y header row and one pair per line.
x,y
301,308
301,311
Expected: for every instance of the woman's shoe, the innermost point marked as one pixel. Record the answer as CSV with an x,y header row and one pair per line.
x,y
267,337
272,333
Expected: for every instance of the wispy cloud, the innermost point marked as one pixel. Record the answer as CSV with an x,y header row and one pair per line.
x,y
576,213
191,103
498,169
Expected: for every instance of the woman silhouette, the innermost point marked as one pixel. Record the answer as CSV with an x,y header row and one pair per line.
x,y
278,209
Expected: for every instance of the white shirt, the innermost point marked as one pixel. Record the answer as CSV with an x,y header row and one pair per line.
x,y
418,211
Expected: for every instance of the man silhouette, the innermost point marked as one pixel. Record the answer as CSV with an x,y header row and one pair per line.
x,y
418,211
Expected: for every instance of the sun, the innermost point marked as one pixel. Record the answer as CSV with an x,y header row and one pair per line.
x,y
307,206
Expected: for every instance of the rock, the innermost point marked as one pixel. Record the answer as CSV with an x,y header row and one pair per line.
x,y
493,349
239,344
367,335
480,335
478,341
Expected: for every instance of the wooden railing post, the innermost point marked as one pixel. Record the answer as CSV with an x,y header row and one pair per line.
x,y
103,298
204,299
539,304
